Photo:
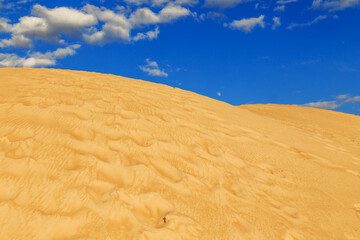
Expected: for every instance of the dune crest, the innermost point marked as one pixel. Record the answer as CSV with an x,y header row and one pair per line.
x,y
94,156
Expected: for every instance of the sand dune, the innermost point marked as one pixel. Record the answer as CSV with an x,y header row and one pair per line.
x,y
94,156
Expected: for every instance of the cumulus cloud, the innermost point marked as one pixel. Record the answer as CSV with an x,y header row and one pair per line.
x,y
276,23
37,59
316,20
116,26
4,26
150,35
334,5
247,24
145,16
92,24
53,24
46,24
64,19
224,3
16,41
152,68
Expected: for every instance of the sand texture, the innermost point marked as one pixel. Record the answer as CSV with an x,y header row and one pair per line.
x,y
93,156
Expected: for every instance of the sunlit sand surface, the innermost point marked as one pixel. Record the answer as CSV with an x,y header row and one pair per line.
x,y
93,156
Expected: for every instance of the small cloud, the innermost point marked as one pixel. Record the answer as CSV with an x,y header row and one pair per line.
x,y
223,3
145,16
353,99
338,101
247,24
150,35
323,105
215,15
37,59
334,5
152,68
342,97
316,20
279,8
276,23
285,1
219,94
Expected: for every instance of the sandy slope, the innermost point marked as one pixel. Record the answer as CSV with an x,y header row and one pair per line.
x,y
92,156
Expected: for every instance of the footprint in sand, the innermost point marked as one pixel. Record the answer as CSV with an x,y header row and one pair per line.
x,y
357,207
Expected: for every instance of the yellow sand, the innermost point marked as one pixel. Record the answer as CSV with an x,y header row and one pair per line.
x,y
94,156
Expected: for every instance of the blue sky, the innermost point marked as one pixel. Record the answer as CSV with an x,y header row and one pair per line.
x,y
238,51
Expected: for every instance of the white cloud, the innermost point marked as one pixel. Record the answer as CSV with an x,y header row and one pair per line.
x,y
353,99
23,1
247,24
342,97
276,23
148,35
186,2
339,101
157,3
170,13
154,72
32,26
61,53
282,3
219,94
145,16
64,19
137,2
316,20
37,59
323,104
317,3
285,1
16,41
212,15
47,24
224,3
279,8
116,26
12,60
334,5
4,26
92,24
152,68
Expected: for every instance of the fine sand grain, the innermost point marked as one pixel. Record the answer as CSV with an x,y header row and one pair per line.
x,y
93,156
